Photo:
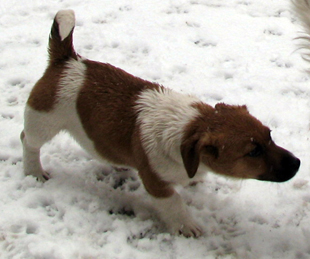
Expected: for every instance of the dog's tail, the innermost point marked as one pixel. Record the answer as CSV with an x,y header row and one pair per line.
x,y
302,11
60,41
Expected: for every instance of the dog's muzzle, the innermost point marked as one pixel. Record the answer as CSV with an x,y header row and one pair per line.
x,y
286,170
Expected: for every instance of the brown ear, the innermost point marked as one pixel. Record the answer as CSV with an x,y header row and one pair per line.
x,y
192,148
227,107
190,156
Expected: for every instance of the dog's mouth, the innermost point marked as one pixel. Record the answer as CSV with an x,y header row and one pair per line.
x,y
288,169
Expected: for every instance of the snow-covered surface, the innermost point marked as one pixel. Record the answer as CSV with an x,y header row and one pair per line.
x,y
233,51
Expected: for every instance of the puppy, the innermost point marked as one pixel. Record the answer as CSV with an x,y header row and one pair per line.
x,y
170,138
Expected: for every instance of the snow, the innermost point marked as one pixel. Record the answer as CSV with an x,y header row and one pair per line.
x,y
236,51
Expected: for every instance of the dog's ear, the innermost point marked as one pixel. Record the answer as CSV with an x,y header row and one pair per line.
x,y
223,107
190,156
192,149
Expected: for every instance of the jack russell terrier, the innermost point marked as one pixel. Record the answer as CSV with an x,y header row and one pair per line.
x,y
168,137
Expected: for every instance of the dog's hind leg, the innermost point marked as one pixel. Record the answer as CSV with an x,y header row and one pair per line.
x,y
40,127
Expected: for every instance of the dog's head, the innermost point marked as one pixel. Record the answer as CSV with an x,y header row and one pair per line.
x,y
231,142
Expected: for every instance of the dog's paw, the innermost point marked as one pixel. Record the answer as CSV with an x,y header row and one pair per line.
x,y
175,214
188,229
191,230
46,175
43,177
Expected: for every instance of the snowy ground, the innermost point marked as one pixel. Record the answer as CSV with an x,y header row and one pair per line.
x,y
233,51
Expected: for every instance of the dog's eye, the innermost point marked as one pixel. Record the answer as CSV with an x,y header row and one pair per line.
x,y
257,151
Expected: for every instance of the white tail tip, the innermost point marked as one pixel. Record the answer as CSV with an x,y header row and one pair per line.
x,y
66,22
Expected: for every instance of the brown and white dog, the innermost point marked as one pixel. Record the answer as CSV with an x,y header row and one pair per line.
x,y
170,138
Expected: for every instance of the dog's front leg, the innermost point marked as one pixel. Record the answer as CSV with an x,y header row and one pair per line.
x,y
174,212
169,204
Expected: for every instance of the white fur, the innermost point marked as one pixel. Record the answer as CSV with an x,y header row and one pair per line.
x,y
302,11
174,212
163,117
66,22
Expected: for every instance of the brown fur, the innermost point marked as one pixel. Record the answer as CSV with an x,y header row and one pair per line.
x,y
112,126
106,109
222,138
43,94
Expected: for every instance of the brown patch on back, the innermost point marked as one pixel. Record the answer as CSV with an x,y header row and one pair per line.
x,y
43,94
106,107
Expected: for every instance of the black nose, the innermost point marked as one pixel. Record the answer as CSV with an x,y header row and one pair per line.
x,y
290,165
297,164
